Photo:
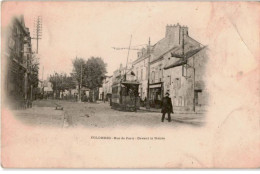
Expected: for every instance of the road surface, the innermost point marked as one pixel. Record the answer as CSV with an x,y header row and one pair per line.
x,y
74,114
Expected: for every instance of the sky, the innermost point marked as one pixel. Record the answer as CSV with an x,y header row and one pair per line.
x,y
86,29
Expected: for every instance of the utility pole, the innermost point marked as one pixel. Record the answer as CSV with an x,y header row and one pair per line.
x,y
80,86
183,42
128,51
42,72
38,31
42,80
148,75
194,104
55,93
128,56
188,66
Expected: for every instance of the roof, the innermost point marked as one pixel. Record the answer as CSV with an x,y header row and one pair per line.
x,y
161,47
174,48
166,45
183,59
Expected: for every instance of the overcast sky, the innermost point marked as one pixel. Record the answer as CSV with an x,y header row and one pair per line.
x,y
82,29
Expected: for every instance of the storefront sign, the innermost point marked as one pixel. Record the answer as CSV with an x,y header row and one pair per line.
x,y
156,86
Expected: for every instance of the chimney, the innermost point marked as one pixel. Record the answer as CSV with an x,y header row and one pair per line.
x,y
185,29
183,34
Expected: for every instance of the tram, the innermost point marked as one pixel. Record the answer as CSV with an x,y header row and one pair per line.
x,y
125,96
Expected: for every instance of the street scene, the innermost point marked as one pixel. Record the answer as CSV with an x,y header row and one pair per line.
x,y
130,84
155,82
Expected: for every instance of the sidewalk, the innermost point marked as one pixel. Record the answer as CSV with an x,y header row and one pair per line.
x,y
143,109
194,118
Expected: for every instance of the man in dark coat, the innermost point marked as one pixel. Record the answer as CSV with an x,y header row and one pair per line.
x,y
167,107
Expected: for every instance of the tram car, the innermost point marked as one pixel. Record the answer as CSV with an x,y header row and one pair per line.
x,y
125,96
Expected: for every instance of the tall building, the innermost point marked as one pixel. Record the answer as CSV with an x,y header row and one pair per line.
x,y
184,80
140,69
18,58
164,74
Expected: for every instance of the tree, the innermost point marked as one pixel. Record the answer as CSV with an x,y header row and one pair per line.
x,y
78,73
69,83
55,80
34,75
95,71
61,82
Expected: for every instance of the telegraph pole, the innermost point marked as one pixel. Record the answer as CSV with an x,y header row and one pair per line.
x,y
128,51
38,31
193,67
148,74
80,83
42,72
42,80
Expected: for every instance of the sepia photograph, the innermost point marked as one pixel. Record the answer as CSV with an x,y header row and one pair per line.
x,y
130,84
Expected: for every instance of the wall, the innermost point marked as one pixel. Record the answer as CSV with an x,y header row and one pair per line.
x,y
156,72
179,83
200,63
18,59
140,69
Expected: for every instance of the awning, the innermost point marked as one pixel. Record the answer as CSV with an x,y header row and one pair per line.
x,y
130,83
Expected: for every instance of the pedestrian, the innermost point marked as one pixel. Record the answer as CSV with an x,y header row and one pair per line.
x,y
166,107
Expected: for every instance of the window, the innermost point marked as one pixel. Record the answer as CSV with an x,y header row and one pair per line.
x,y
175,101
178,83
180,101
160,72
169,80
137,77
184,70
198,97
153,76
156,75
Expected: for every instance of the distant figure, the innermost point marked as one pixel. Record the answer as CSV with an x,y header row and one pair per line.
x,y
167,107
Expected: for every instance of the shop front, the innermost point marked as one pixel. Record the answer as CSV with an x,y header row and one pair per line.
x,y
155,94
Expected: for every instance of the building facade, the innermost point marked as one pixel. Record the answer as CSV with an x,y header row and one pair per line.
x,y
123,73
18,57
107,88
171,70
184,75
186,83
140,69
161,51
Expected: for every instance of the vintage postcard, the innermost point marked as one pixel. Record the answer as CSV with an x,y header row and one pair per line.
x,y
147,84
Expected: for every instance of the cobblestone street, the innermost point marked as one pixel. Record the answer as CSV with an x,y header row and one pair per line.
x,y
98,114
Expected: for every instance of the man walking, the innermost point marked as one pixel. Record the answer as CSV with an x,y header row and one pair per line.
x,y
167,107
